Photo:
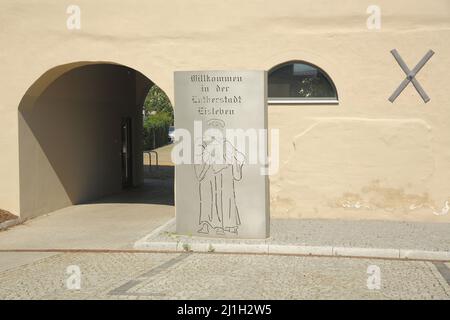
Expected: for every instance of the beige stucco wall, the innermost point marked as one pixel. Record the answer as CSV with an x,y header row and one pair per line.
x,y
365,158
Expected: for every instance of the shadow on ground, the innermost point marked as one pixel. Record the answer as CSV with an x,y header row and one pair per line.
x,y
158,188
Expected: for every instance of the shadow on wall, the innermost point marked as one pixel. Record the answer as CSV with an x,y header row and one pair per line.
x,y
70,143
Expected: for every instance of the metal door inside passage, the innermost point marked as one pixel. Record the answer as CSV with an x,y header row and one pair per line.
x,y
127,163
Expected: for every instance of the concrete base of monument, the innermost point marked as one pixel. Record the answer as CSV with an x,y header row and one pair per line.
x,y
339,238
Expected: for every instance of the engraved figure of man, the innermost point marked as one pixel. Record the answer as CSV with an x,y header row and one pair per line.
x,y
217,175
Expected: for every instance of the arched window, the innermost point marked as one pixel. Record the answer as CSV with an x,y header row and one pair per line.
x,y
299,82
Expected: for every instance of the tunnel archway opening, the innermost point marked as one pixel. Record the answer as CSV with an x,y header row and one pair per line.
x,y
81,137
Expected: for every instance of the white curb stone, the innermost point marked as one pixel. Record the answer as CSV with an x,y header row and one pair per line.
x,y
240,248
366,252
194,247
425,255
301,250
326,251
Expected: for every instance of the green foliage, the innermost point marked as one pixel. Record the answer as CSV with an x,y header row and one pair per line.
x,y
158,120
158,117
158,101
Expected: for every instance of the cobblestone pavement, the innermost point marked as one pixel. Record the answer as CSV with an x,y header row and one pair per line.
x,y
222,276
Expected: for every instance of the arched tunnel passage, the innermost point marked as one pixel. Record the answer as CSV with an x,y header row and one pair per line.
x,y
81,139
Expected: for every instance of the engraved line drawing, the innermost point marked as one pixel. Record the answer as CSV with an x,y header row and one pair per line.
x,y
218,209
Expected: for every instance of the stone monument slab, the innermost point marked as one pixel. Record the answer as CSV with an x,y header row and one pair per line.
x,y
221,193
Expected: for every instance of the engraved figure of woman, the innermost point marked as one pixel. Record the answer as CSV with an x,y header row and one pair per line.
x,y
218,208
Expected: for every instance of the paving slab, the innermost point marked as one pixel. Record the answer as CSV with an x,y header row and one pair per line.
x,y
113,222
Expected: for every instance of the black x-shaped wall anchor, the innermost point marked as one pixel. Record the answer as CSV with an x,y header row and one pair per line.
x,y
410,76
